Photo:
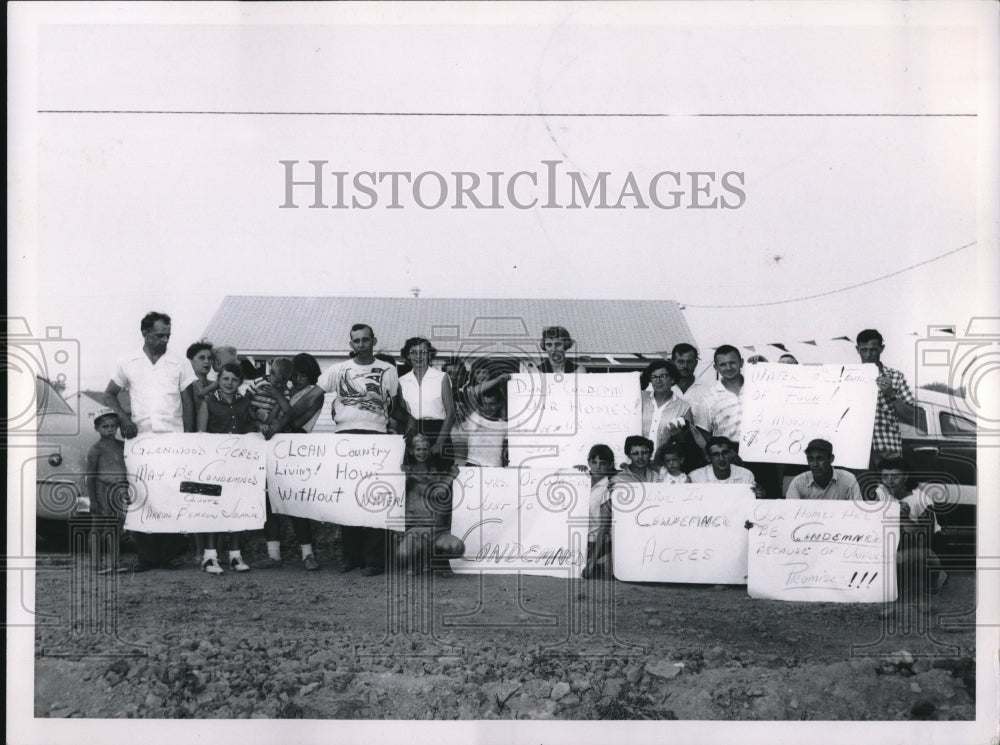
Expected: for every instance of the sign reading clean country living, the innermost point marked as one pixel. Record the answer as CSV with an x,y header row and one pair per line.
x,y
524,520
195,483
554,419
348,479
786,406
823,550
681,532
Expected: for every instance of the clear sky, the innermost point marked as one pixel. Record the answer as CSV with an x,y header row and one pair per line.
x,y
140,211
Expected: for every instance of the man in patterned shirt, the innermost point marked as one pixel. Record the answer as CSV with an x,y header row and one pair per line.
x,y
894,398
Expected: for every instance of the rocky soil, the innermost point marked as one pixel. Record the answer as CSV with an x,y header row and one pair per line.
x,y
287,643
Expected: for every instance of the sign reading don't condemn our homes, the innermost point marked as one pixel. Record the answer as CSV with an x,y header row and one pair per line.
x,y
554,419
195,483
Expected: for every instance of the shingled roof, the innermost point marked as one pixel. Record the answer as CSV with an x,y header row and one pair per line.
x,y
264,325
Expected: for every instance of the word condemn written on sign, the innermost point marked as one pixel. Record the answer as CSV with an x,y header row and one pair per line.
x,y
681,532
824,550
786,406
530,521
195,483
553,419
339,478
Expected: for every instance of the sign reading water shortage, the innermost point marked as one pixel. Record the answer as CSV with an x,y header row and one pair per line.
x,y
553,419
521,520
786,406
338,478
681,532
823,550
195,483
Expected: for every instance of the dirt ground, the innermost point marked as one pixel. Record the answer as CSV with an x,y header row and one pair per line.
x,y
286,643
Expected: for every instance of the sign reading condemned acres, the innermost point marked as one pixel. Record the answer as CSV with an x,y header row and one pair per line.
x,y
339,478
554,419
521,520
824,551
681,532
786,406
195,483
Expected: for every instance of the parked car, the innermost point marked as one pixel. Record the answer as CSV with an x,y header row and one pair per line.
x,y
63,439
941,452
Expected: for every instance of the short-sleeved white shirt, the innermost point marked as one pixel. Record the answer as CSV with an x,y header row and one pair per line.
x,y
720,412
154,390
737,475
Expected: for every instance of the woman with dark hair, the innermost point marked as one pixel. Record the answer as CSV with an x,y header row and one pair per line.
x,y
665,417
305,398
601,466
428,542
427,396
305,401
639,451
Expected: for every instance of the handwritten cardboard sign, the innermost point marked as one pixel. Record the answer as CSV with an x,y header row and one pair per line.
x,y
521,521
338,478
786,406
553,420
195,483
823,550
681,532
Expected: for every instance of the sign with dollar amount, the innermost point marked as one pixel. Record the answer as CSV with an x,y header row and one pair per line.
x,y
195,483
786,406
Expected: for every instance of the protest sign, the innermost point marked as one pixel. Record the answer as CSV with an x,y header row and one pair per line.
x,y
195,483
554,419
521,520
349,479
786,406
823,550
681,532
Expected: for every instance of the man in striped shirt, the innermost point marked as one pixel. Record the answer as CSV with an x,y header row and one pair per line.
x,y
720,411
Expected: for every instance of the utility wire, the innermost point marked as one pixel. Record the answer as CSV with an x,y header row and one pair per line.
x,y
834,292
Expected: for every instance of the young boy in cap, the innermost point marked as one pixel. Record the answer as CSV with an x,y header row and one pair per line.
x,y
107,479
822,480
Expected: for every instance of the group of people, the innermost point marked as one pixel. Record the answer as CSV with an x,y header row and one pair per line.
x,y
450,416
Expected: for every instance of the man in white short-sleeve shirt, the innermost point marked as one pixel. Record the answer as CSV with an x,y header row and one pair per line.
x,y
162,401
158,385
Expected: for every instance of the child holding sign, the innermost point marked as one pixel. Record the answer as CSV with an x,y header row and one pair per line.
x,y
427,542
225,411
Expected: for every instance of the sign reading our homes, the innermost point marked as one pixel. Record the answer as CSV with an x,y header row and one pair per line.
x,y
554,419
529,521
349,479
195,483
786,406
823,551
681,532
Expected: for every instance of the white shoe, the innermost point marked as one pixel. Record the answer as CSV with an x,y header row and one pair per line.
x,y
212,566
238,565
